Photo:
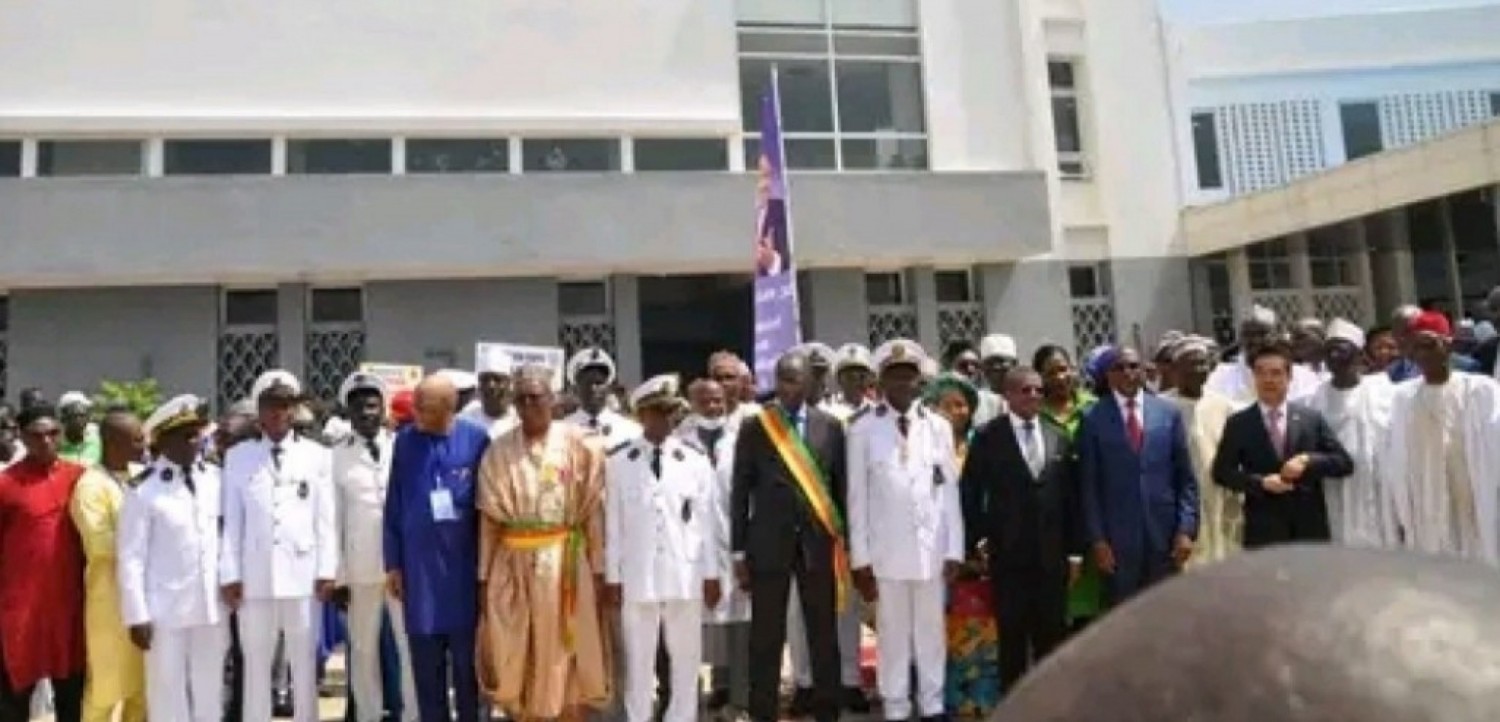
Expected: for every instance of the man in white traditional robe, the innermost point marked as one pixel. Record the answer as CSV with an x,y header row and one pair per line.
x,y
1357,406
1442,463
1234,380
1221,511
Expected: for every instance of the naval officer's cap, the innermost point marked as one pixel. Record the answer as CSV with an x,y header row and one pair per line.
x,y
658,392
900,352
179,412
591,358
853,356
278,385
361,381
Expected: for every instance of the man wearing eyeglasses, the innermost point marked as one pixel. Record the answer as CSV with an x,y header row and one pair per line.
x,y
1139,492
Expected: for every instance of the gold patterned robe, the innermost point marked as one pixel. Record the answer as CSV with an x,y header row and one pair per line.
x,y
1221,512
542,646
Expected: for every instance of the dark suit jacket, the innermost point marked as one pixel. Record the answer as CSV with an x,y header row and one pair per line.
x,y
1136,501
770,520
1246,455
1027,522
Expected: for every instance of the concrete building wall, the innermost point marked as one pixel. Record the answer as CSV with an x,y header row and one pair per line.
x,y
437,322
836,306
1028,301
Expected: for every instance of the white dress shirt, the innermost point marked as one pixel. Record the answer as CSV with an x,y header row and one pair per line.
x,y
1125,411
1033,448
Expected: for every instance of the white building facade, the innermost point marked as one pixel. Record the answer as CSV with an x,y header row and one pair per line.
x,y
1277,101
196,193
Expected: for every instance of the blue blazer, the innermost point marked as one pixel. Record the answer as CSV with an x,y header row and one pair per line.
x,y
1138,502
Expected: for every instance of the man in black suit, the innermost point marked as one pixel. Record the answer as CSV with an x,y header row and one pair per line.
x,y
776,536
1020,496
1277,454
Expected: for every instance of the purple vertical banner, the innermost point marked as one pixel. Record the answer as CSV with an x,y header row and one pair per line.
x,y
778,327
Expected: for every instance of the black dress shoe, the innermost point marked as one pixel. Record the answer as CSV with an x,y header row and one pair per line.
x,y
802,702
855,701
281,703
717,699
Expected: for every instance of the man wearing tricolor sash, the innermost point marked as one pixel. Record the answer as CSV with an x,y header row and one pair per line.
x,y
789,468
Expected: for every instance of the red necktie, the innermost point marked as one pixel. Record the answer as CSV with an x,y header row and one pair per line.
x,y
1133,426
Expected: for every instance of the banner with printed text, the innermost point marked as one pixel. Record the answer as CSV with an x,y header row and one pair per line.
x,y
778,327
506,358
396,376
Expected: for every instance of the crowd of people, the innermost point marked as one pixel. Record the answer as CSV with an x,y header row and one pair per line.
x,y
544,548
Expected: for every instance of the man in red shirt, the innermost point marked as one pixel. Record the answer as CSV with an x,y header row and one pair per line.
x,y
41,574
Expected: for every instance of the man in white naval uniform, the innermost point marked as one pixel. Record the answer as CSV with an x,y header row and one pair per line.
x,y
659,566
591,372
852,371
905,530
361,473
168,550
279,555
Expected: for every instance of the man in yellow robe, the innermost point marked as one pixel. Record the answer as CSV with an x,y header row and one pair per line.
x,y
115,666
542,650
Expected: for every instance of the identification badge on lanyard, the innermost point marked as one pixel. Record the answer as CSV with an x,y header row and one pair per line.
x,y
442,505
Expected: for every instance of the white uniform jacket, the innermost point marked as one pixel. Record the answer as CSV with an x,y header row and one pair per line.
x,y
279,522
612,426
734,605
362,480
168,549
657,531
905,519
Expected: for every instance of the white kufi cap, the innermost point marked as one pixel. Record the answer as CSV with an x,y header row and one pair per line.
x,y
997,345
1342,329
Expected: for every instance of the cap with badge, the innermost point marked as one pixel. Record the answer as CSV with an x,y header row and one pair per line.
x,y
591,358
899,352
360,381
996,346
818,354
657,392
278,384
180,412
853,356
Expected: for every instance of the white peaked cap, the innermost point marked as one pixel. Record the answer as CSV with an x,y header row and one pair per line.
x,y
853,355
818,352
361,381
461,380
1342,329
275,378
588,358
997,345
657,391
177,412
899,351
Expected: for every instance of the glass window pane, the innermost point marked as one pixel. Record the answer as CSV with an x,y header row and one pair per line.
x,y
217,157
801,154
1206,151
457,155
782,12
875,13
793,43
250,308
1060,74
1065,125
577,154
883,289
1361,124
895,46
10,158
4,313
876,96
337,305
88,157
339,156
806,93
886,154
681,154
582,298
1083,281
1495,104
953,286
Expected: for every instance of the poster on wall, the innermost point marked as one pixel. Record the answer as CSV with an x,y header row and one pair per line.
x,y
505,358
396,376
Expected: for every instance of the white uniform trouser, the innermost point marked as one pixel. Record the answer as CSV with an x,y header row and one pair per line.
x,y
185,673
366,603
911,620
848,629
260,621
680,624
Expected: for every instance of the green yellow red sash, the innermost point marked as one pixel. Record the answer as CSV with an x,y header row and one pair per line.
x,y
814,487
530,536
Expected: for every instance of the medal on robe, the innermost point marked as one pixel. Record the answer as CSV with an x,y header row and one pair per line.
x,y
677,454
302,490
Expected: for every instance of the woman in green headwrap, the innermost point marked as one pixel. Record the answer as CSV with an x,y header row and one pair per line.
x,y
955,398
1063,403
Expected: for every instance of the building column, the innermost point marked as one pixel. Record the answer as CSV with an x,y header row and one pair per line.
x,y
291,328
1029,301
1237,262
924,300
1395,277
1358,248
1450,257
834,308
1202,294
625,315
1301,266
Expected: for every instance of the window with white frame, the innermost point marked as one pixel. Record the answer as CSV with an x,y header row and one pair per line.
x,y
1270,265
850,77
886,288
89,157
10,158
217,156
1067,125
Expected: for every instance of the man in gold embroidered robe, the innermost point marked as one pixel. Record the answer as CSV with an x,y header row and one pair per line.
x,y
542,650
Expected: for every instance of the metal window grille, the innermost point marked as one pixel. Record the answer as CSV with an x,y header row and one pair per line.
x,y
245,352
1339,303
1286,303
577,332
333,351
960,322
1093,323
1414,117
1264,145
886,322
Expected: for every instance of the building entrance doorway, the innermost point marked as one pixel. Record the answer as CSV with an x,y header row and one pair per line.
x,y
684,319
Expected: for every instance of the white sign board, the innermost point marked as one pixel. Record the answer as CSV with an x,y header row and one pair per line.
x,y
506,358
395,376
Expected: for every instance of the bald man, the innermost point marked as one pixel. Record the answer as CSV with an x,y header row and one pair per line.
x,y
431,547
1293,634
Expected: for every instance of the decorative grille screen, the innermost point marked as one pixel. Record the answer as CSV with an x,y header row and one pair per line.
x,y
333,352
1093,324
1415,117
581,332
960,322
1286,304
888,322
245,352
1269,144
1339,303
